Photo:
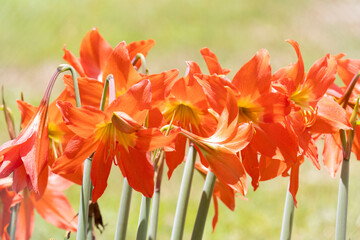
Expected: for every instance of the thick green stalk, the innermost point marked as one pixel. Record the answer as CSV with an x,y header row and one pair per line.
x,y
204,206
183,199
143,218
13,220
156,200
123,216
83,222
341,215
84,201
287,222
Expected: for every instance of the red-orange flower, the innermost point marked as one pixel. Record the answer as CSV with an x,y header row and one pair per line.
x,y
95,52
27,155
115,135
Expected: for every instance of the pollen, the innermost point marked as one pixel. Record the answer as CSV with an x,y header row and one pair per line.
x,y
185,114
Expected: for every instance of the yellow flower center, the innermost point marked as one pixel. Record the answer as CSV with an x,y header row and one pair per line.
x,y
185,114
301,96
248,111
55,133
107,132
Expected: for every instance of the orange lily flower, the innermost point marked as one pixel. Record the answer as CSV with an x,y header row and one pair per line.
x,y
27,155
257,103
218,152
95,52
314,114
115,135
187,107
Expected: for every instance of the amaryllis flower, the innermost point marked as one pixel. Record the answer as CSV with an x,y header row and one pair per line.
x,y
256,102
27,155
95,51
313,113
218,152
115,135
187,107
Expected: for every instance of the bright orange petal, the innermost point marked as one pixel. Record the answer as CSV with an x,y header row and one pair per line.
x,y
212,62
56,209
332,153
120,66
94,52
81,121
142,46
137,168
254,78
73,61
25,218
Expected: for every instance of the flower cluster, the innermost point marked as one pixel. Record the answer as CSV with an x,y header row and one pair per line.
x,y
261,123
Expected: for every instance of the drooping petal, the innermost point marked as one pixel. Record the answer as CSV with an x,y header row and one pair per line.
x,y
175,158
137,168
250,161
56,209
271,168
101,166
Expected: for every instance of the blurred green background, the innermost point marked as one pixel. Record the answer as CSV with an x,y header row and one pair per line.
x,y
32,34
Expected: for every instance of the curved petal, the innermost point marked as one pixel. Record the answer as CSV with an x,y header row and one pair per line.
x,y
94,52
212,62
27,111
73,61
56,209
82,121
75,153
137,168
332,153
254,78
120,66
142,46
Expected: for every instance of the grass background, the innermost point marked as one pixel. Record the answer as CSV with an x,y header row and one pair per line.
x,y
32,34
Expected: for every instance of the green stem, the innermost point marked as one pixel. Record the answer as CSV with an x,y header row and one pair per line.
x,y
13,221
183,199
143,218
156,200
204,206
86,187
66,67
341,215
123,216
84,201
287,222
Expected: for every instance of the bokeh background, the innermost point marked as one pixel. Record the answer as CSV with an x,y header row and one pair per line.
x,y
32,34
